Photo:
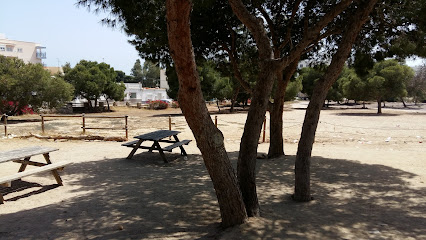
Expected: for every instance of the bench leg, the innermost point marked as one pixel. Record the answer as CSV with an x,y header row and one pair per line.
x,y
54,172
24,165
158,147
182,150
153,146
137,145
1,199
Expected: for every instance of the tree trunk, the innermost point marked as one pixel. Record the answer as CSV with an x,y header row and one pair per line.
x,y
302,190
403,102
379,106
109,109
276,145
256,114
250,139
234,98
209,139
217,104
303,157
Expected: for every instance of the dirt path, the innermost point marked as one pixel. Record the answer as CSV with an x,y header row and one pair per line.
x,y
368,180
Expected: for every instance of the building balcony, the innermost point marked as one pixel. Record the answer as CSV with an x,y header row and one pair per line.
x,y
41,55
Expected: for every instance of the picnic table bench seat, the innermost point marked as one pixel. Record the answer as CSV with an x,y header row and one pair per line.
x,y
175,145
45,168
130,144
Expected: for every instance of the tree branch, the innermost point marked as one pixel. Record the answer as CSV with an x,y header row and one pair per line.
x,y
290,26
312,33
255,26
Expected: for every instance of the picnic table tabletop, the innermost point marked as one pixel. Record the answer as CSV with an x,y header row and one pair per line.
x,y
157,135
21,153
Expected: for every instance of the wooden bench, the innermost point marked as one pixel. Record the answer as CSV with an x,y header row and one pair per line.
x,y
130,144
157,137
175,145
167,148
23,156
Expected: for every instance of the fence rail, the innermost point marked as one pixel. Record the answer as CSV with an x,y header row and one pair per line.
x,y
84,127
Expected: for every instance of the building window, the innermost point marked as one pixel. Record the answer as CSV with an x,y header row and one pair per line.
x,y
2,48
9,49
20,50
133,95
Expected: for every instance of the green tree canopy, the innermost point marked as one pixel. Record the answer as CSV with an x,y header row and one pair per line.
x,y
388,79
114,91
352,86
293,88
122,77
57,92
91,79
150,74
136,71
29,85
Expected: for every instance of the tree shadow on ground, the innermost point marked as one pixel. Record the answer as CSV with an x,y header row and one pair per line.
x,y
352,201
144,198
125,199
19,185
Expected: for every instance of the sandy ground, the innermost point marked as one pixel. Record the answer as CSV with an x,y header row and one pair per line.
x,y
368,181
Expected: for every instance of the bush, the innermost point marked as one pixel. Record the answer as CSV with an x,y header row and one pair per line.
x,y
157,105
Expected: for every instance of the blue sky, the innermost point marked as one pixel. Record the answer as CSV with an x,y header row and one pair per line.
x,y
68,33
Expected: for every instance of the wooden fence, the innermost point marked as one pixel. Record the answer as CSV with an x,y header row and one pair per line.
x,y
84,127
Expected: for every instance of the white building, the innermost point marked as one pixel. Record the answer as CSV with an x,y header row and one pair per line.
x,y
136,93
29,52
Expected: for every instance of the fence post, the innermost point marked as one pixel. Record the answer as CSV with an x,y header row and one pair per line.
x,y
170,125
264,129
84,124
42,124
5,125
215,121
127,133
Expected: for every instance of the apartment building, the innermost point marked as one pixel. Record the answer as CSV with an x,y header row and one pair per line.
x,y
29,52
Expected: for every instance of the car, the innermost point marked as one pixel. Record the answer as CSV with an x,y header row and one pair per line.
x,y
167,100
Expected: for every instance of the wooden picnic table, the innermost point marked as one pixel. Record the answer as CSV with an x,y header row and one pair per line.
x,y
157,137
23,156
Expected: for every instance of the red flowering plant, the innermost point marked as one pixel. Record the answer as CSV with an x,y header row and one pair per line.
x,y
13,108
175,104
157,105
